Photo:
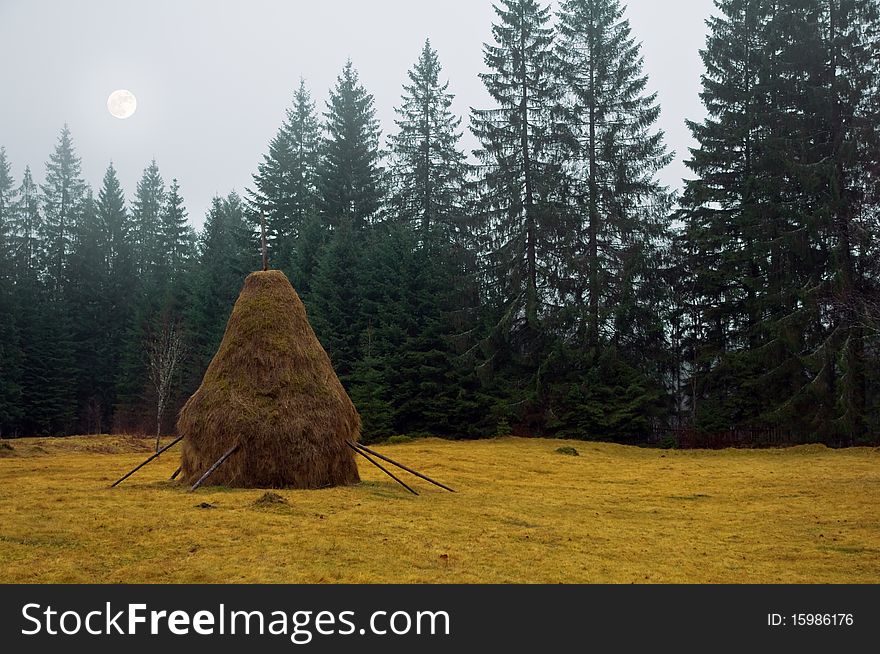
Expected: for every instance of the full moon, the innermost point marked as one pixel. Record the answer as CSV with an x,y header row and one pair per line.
x,y
122,104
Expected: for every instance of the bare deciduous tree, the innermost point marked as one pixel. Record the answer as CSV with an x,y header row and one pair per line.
x,y
166,350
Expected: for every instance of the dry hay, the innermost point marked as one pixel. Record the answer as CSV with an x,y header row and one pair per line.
x,y
270,389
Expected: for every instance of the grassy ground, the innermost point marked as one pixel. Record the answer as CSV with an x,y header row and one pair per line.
x,y
523,513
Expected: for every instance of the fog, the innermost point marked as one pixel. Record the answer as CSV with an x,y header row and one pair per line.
x,y
213,79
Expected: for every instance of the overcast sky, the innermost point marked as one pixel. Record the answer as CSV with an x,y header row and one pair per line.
x,y
213,78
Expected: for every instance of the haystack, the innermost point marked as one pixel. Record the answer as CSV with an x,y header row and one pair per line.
x,y
271,390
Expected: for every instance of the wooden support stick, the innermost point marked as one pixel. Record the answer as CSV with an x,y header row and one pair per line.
x,y
381,467
400,465
263,240
170,445
211,470
176,472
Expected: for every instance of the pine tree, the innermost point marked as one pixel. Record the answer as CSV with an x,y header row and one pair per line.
x,y
611,294
617,154
175,239
62,196
286,181
350,177
27,228
520,158
521,197
120,284
845,71
10,348
227,254
88,292
336,298
147,211
428,168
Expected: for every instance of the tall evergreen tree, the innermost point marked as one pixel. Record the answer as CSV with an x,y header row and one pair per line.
x,y
120,283
350,176
617,154
428,168
605,375
88,293
62,196
175,242
147,212
226,255
520,156
521,196
846,152
10,348
286,182
27,229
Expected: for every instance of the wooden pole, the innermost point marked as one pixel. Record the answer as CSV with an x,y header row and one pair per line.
x,y
400,465
381,467
176,472
211,470
263,239
170,445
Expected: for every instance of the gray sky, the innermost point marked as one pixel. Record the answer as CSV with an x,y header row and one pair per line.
x,y
213,78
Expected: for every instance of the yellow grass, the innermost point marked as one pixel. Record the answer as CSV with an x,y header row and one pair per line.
x,y
523,513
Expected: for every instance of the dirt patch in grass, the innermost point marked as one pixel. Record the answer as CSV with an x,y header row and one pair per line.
x,y
270,499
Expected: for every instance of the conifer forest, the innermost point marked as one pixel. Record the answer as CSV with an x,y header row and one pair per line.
x,y
546,283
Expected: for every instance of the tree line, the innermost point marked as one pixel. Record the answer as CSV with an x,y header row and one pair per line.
x,y
549,284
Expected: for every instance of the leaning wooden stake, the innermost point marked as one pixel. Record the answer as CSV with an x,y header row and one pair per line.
x,y
124,477
400,465
176,472
381,467
263,241
211,470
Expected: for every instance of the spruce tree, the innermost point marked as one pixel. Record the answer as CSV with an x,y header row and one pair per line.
x,y
27,229
723,205
88,293
844,74
120,282
336,298
607,273
62,195
10,349
175,238
147,212
428,167
226,255
350,176
618,150
286,182
521,196
520,156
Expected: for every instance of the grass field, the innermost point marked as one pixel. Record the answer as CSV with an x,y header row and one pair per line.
x,y
523,513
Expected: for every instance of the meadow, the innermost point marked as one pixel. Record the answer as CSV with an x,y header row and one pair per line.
x,y
523,513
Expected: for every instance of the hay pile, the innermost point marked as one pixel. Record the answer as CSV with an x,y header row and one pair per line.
x,y
271,389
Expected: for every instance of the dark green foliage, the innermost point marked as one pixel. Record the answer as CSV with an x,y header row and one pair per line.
x,y
522,163
227,253
780,244
287,180
349,174
428,168
10,346
62,197
146,235
550,289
